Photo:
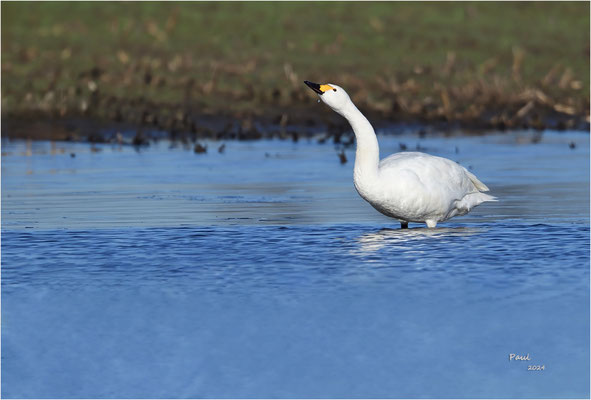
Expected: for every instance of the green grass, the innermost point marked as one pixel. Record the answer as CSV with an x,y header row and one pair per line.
x,y
46,46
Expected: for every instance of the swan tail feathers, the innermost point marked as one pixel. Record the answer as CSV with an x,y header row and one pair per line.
x,y
472,200
487,197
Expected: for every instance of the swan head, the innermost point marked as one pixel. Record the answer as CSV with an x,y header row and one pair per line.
x,y
332,95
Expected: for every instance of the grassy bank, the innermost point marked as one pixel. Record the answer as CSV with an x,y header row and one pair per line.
x,y
170,66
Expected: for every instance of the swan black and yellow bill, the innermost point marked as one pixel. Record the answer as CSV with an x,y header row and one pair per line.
x,y
318,88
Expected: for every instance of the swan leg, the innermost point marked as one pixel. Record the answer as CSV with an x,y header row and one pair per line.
x,y
431,223
403,225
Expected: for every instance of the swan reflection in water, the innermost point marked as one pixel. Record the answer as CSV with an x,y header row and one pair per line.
x,y
402,238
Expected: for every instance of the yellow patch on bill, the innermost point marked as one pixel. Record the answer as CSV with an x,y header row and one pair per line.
x,y
325,88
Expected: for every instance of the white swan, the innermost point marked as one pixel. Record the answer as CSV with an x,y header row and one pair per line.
x,y
408,186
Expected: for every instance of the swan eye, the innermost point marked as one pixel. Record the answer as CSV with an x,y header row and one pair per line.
x,y
334,90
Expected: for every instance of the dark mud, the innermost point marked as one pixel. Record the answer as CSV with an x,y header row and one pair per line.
x,y
139,121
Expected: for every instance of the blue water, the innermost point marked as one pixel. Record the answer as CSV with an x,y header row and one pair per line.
x,y
260,273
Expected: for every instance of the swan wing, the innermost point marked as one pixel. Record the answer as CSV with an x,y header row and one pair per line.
x,y
435,173
479,185
431,186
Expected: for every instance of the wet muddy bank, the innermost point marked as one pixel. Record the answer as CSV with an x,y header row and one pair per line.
x,y
139,122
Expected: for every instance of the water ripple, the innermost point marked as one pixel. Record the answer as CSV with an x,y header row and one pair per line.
x,y
295,258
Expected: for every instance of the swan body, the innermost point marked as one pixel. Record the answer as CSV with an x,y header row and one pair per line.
x,y
408,186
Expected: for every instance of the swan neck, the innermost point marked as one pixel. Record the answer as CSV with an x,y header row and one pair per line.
x,y
367,155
